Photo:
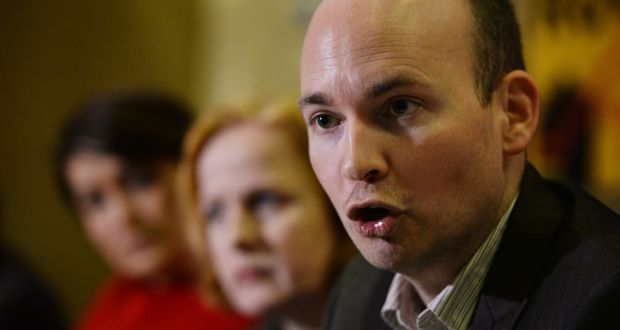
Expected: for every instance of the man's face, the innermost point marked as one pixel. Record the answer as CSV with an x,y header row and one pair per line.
x,y
398,138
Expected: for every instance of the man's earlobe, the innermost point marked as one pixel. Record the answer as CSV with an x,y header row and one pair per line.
x,y
521,105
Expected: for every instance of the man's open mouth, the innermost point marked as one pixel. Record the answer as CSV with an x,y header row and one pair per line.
x,y
374,219
372,211
366,214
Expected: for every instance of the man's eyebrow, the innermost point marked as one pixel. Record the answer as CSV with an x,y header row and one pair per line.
x,y
316,99
385,86
374,91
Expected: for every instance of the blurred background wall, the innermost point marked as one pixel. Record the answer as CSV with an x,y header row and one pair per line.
x,y
572,49
54,53
253,48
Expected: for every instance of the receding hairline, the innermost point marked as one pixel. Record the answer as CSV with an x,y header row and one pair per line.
x,y
327,22
494,38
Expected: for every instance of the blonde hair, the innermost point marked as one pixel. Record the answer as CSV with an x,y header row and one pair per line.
x,y
282,115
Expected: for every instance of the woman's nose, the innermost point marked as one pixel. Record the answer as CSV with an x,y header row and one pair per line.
x,y
247,233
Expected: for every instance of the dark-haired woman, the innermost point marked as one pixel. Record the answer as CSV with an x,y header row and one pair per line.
x,y
116,164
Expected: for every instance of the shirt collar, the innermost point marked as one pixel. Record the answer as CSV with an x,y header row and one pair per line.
x,y
453,307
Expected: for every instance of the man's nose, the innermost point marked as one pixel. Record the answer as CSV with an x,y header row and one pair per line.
x,y
247,233
364,159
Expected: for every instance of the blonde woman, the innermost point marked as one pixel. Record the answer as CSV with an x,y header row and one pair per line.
x,y
272,238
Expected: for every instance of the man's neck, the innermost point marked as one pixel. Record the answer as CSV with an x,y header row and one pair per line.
x,y
429,282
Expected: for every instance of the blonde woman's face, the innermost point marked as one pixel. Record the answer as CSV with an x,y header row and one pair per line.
x,y
267,220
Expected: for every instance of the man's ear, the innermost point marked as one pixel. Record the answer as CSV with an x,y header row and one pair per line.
x,y
521,106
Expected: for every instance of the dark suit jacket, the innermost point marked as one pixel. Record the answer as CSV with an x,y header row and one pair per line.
x,y
557,267
26,303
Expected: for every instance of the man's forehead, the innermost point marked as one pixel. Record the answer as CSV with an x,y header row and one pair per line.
x,y
338,23
345,44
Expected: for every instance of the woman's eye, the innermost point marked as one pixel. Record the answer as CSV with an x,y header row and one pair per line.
x,y
95,200
401,107
90,202
267,198
214,213
325,121
264,202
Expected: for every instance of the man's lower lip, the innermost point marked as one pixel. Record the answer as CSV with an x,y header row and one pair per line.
x,y
379,228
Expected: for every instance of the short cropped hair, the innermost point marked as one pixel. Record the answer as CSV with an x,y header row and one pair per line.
x,y
496,45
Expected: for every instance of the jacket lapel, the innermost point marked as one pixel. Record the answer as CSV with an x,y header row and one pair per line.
x,y
520,257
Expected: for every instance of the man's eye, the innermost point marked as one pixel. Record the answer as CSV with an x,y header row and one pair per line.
x,y
325,121
401,107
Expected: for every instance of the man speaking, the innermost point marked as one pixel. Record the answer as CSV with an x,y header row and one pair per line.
x,y
419,115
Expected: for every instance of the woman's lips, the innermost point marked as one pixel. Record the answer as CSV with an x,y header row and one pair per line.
x,y
138,243
251,274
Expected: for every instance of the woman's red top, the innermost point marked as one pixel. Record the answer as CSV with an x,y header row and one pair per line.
x,y
127,305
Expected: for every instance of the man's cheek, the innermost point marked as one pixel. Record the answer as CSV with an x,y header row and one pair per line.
x,y
319,166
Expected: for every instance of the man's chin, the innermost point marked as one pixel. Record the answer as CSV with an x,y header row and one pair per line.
x,y
382,254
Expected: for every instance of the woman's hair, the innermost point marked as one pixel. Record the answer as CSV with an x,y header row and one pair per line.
x,y
280,115
139,127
